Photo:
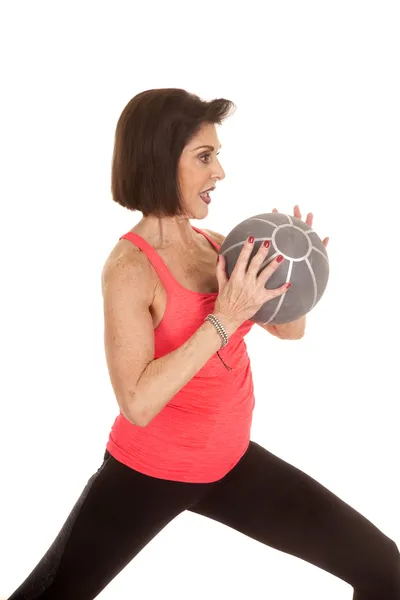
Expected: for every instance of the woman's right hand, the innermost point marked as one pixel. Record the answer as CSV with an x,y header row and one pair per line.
x,y
242,294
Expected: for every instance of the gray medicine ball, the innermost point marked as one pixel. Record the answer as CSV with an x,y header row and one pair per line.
x,y
306,263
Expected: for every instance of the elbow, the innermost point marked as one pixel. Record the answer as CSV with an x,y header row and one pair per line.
x,y
295,336
299,336
132,414
141,421
134,418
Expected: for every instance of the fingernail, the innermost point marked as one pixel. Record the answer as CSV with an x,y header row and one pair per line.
x,y
266,243
250,239
280,258
288,285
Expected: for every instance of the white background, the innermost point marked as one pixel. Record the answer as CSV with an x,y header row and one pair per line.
x,y
317,90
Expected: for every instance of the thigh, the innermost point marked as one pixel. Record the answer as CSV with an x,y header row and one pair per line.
x,y
117,514
275,503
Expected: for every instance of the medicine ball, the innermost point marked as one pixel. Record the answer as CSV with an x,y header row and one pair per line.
x,y
306,263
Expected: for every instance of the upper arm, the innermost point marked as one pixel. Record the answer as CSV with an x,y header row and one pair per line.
x,y
128,324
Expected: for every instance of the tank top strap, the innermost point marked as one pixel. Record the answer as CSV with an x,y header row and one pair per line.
x,y
216,246
154,257
157,262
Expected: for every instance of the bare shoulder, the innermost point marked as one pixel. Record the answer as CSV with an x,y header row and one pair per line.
x,y
124,255
217,237
127,261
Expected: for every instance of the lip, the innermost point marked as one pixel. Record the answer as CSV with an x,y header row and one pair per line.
x,y
205,201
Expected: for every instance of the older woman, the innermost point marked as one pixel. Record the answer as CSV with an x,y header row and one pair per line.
x,y
178,364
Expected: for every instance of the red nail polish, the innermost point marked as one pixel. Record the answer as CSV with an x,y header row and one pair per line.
x,y
288,285
266,243
250,239
280,258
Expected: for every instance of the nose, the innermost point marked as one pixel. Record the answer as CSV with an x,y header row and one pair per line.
x,y
218,173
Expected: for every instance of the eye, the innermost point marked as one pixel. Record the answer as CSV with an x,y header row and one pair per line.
x,y
206,155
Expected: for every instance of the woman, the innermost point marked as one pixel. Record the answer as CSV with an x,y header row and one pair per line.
x,y
174,329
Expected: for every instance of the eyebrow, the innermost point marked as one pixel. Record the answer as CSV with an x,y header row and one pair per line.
x,y
209,147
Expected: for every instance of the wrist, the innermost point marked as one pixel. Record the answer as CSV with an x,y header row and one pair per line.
x,y
230,325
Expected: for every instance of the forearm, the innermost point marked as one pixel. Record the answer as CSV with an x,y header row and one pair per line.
x,y
291,331
164,377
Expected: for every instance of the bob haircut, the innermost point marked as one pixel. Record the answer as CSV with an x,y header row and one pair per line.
x,y
151,133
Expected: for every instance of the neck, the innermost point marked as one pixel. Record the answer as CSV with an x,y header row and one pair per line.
x,y
170,232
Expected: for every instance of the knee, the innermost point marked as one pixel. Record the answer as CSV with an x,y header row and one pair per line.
x,y
387,573
394,576
395,556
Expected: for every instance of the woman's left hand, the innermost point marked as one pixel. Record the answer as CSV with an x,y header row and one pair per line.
x,y
309,220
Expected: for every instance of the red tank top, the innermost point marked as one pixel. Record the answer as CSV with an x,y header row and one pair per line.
x,y
204,430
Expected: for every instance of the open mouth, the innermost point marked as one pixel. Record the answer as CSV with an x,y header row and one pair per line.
x,y
205,196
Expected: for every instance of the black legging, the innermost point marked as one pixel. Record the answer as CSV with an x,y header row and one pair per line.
x,y
121,510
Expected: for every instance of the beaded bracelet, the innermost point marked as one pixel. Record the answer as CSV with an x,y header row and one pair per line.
x,y
220,328
224,336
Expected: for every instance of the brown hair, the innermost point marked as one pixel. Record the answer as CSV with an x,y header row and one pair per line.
x,y
151,133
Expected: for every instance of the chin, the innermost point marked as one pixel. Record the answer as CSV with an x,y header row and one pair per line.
x,y
198,212
203,213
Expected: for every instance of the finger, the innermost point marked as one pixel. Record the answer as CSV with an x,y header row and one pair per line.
x,y
274,210
258,259
271,268
325,242
243,259
309,219
274,293
296,211
221,271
